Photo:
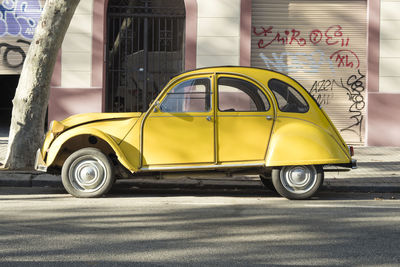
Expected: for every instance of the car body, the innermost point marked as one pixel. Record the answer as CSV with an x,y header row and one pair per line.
x,y
219,118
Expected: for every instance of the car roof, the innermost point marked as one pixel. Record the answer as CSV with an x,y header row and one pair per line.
x,y
260,74
229,68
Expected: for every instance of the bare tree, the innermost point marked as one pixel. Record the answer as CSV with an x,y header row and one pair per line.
x,y
32,94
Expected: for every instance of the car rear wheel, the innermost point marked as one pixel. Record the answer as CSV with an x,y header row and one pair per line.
x,y
87,173
297,182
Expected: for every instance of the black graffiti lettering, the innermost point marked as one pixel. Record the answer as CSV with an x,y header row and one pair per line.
x,y
322,91
355,87
15,49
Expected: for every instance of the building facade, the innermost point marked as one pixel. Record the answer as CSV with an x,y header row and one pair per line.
x,y
118,54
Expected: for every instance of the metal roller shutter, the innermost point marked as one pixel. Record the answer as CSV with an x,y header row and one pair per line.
x,y
321,44
18,20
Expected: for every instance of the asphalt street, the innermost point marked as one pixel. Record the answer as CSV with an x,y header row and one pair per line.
x,y
46,226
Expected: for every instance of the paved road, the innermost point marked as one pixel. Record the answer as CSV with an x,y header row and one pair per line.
x,y
45,226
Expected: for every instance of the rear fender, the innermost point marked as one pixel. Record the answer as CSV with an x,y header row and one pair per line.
x,y
299,142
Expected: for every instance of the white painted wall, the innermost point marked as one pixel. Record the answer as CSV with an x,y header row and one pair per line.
x,y
218,33
389,61
76,59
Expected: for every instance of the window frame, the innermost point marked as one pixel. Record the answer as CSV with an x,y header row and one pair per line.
x,y
277,102
249,82
208,95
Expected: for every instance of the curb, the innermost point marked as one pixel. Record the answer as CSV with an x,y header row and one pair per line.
x,y
12,179
16,179
362,189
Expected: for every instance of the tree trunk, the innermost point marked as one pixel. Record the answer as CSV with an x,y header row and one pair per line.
x,y
32,94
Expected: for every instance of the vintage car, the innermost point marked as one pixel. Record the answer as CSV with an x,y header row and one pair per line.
x,y
230,119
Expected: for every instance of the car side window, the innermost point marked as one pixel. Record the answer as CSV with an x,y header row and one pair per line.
x,y
189,96
239,95
288,98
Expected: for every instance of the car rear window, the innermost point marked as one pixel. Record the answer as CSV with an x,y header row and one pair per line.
x,y
288,98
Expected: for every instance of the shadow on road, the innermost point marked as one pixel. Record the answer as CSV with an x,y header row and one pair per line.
x,y
118,192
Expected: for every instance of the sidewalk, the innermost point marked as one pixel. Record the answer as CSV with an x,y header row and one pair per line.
x,y
378,171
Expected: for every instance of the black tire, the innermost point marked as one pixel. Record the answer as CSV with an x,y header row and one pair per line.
x,y
87,173
297,182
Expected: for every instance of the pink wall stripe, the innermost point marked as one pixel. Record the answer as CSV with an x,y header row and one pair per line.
x,y
98,44
65,102
373,45
383,119
191,34
56,78
245,33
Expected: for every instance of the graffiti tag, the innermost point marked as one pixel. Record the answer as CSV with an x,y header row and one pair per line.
x,y
322,91
285,38
345,58
19,17
309,62
331,36
355,87
13,49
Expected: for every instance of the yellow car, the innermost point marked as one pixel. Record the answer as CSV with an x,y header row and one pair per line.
x,y
211,119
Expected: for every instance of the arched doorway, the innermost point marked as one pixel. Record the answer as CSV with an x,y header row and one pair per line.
x,y
145,47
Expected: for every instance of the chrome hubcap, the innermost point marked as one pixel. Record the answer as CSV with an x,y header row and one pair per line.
x,y
87,174
298,179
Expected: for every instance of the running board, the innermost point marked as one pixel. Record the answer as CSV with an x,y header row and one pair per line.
x,y
203,167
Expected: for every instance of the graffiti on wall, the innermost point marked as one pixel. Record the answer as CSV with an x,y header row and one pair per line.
x,y
354,86
19,17
326,50
322,90
13,50
308,62
18,20
332,36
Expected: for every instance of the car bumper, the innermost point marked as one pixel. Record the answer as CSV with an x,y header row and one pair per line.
x,y
354,164
40,165
351,165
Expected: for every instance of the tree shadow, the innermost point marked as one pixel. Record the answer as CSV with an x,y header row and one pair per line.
x,y
139,230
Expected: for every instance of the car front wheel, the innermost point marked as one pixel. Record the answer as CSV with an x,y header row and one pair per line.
x,y
87,173
297,182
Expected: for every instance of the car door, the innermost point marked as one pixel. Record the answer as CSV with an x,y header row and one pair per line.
x,y
181,130
244,117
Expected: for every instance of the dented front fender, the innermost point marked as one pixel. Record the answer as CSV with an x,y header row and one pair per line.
x,y
62,141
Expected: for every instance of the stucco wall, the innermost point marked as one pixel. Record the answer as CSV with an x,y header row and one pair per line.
x,y
389,67
218,33
383,100
76,58
72,88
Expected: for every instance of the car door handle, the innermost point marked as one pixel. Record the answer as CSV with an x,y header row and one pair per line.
x,y
269,117
208,118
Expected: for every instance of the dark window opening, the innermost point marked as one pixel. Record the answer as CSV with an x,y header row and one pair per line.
x,y
288,98
145,47
9,84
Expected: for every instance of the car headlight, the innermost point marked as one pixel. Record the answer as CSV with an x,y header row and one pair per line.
x,y
56,127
